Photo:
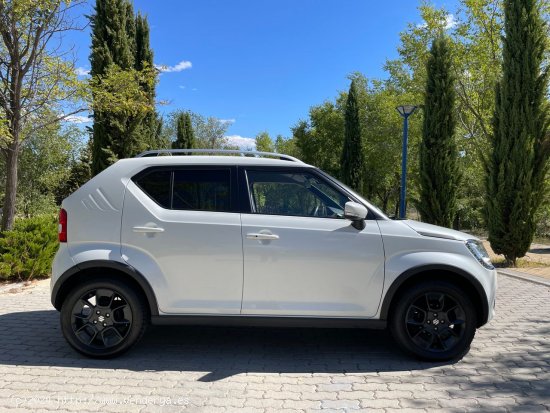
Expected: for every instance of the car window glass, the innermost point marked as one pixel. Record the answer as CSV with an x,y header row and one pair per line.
x,y
295,194
156,184
201,190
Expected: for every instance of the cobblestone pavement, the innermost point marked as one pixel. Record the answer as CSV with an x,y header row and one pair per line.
x,y
194,369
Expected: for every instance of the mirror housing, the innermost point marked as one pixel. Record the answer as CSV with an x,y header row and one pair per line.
x,y
356,213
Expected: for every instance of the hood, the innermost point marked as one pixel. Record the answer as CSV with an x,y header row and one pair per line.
x,y
429,230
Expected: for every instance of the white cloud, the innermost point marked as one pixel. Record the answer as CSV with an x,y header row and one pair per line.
x,y
230,121
77,119
181,87
450,21
241,142
82,71
184,64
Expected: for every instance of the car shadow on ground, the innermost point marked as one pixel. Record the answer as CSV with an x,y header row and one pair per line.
x,y
34,338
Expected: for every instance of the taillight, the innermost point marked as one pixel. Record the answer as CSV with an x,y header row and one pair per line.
x,y
62,225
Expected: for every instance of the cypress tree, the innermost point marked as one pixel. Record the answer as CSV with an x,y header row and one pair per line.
x,y
185,137
439,171
517,165
122,39
352,153
148,128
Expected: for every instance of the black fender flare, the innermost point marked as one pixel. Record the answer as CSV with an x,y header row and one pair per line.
x,y
58,291
410,273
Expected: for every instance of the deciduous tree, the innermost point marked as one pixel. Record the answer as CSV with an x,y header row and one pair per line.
x,y
36,78
264,143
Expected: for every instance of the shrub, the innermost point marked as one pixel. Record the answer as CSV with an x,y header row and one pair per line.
x,y
27,250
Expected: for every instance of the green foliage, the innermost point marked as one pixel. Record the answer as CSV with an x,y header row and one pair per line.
x,y
79,173
473,30
148,130
185,137
321,139
518,163
286,146
264,142
45,162
121,92
123,84
209,132
439,173
27,251
382,132
352,153
36,80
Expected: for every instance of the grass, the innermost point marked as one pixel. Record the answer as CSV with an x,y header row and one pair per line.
x,y
500,262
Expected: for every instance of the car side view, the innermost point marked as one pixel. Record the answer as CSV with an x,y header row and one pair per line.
x,y
254,238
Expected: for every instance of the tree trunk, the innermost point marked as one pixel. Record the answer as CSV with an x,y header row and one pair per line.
x,y
8,209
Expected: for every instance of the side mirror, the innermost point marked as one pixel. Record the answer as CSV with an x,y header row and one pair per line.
x,y
356,213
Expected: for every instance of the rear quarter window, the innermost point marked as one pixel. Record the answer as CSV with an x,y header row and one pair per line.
x,y
156,184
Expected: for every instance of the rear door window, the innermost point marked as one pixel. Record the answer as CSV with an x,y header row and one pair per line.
x,y
188,189
202,190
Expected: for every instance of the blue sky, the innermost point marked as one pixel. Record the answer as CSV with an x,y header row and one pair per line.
x,y
261,64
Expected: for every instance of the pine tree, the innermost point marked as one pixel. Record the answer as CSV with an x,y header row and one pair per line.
x,y
439,171
517,165
185,137
352,154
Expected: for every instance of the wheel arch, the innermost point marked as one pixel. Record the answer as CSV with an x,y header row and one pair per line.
x,y
440,272
85,270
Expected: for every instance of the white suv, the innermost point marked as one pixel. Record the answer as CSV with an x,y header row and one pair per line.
x,y
262,239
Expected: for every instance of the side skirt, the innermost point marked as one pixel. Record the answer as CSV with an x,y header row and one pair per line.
x,y
266,321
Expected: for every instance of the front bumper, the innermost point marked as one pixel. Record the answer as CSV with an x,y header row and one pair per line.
x,y
492,294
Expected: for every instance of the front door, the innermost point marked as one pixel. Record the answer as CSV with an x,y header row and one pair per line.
x,y
182,231
301,257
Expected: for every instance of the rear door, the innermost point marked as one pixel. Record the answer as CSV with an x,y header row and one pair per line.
x,y
301,257
181,230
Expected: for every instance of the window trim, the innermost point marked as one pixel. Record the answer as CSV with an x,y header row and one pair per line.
x,y
233,184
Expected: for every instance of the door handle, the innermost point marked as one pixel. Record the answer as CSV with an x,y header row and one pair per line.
x,y
261,236
145,230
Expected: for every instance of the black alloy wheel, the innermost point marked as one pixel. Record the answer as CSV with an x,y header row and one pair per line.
x,y
103,318
434,320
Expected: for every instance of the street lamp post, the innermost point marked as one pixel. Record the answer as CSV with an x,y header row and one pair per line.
x,y
405,111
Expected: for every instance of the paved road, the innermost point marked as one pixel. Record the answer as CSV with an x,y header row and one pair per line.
x,y
261,370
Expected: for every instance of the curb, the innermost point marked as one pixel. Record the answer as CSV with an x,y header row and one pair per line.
x,y
525,277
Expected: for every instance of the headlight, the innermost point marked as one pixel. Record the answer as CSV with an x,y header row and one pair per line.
x,y
480,253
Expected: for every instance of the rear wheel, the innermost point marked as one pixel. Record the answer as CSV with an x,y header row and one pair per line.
x,y
103,318
434,320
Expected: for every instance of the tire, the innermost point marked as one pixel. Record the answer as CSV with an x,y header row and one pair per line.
x,y
434,320
103,318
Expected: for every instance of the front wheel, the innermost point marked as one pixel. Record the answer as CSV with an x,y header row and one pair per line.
x,y
434,320
103,318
